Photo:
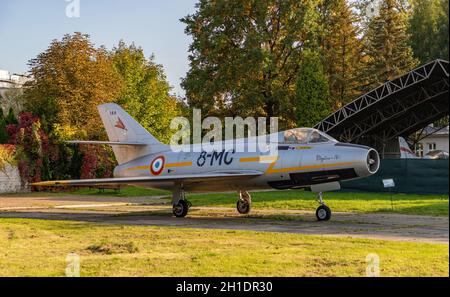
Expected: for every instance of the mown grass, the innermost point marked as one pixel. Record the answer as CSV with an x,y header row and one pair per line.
x,y
297,200
39,248
304,200
338,201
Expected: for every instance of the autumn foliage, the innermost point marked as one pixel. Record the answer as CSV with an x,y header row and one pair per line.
x,y
70,79
36,151
96,162
40,157
7,156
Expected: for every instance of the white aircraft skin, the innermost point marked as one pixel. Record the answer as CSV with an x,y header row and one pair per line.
x,y
300,158
405,151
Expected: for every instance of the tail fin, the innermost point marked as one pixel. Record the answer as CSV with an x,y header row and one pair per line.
x,y
121,127
405,151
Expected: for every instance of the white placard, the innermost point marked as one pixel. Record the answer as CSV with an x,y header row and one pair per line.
x,y
388,183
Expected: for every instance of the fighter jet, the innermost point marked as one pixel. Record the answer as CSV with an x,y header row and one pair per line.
x,y
302,158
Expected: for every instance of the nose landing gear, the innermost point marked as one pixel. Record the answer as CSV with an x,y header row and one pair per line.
x,y
323,212
243,205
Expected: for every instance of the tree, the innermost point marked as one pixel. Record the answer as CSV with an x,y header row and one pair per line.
x,y
312,95
3,132
145,93
71,78
443,33
388,51
11,117
13,98
424,30
246,55
342,50
37,156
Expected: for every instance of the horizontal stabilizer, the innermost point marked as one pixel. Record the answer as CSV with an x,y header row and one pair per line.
x,y
107,142
149,179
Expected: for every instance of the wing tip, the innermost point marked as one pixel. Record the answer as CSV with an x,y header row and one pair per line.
x,y
48,183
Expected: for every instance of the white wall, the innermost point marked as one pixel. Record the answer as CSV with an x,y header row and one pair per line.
x,y
4,74
10,180
441,142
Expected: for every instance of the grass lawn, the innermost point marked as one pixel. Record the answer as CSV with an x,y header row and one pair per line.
x,y
338,201
297,199
39,248
304,200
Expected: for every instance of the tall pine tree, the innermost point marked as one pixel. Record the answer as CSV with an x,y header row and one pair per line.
x,y
443,22
342,50
388,51
424,30
312,96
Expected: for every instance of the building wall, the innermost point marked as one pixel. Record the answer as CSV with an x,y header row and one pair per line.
x,y
10,180
433,142
11,85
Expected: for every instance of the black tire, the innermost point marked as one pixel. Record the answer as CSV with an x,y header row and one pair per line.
x,y
181,209
323,213
243,207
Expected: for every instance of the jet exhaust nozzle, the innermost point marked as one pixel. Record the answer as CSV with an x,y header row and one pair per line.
x,y
373,161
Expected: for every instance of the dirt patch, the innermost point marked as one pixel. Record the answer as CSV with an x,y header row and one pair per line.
x,y
113,248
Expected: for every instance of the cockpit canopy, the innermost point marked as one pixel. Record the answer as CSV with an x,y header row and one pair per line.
x,y
304,135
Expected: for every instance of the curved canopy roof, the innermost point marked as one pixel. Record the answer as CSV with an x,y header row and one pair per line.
x,y
399,107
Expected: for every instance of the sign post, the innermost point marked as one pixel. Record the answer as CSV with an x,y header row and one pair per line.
x,y
389,183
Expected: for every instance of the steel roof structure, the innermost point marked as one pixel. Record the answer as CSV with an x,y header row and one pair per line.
x,y
399,107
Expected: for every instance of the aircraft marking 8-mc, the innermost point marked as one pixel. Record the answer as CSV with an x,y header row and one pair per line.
x,y
304,158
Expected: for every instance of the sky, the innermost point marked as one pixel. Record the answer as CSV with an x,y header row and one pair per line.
x,y
27,27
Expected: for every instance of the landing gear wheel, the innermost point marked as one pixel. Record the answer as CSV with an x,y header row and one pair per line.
x,y
180,210
323,213
244,202
243,207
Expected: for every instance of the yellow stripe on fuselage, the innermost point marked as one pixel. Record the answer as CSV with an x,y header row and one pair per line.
x,y
259,159
180,164
274,160
168,165
139,168
299,168
262,159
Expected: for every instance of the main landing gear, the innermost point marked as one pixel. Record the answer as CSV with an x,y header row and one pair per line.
x,y
243,205
180,204
323,212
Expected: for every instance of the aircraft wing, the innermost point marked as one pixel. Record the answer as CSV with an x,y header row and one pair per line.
x,y
148,179
106,142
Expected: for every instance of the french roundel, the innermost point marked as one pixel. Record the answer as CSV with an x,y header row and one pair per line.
x,y
157,165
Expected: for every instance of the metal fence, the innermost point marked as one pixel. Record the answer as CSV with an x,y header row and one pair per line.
x,y
413,176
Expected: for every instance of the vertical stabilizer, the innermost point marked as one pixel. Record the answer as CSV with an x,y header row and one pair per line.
x,y
405,151
121,127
